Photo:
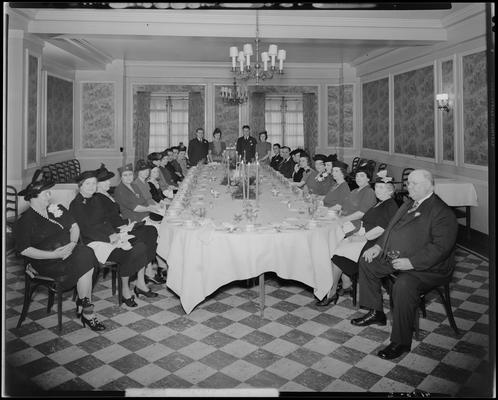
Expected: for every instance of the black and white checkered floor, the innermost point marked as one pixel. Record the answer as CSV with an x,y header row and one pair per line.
x,y
223,343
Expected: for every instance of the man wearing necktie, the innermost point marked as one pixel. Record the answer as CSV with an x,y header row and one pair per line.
x,y
424,233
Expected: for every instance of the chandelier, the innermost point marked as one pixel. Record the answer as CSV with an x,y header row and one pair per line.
x,y
245,70
234,94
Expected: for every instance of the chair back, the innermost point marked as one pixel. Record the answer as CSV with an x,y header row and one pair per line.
x,y
371,167
355,163
404,177
11,204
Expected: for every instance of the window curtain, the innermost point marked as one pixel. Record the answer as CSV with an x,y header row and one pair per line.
x,y
310,122
257,113
195,113
142,126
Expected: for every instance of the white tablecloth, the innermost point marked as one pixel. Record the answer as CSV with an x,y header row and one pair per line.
x,y
203,258
455,193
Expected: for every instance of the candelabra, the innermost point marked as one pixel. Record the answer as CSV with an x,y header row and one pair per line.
x,y
246,71
234,94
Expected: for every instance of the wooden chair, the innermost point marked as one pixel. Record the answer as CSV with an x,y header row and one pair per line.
x,y
355,163
442,290
371,167
33,280
11,206
399,195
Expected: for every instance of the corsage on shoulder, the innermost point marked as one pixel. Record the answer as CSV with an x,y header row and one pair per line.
x,y
54,210
322,176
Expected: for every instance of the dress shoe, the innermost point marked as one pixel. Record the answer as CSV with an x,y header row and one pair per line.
x,y
130,302
373,317
327,300
157,279
138,292
343,291
394,350
93,323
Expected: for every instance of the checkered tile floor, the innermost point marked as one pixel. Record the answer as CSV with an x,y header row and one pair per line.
x,y
223,343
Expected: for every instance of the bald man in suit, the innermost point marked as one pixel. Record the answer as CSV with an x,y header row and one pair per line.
x,y
424,231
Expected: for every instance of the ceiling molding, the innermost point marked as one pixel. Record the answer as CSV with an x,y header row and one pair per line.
x,y
461,15
82,50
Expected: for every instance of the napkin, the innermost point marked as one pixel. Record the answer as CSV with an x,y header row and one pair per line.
x,y
348,227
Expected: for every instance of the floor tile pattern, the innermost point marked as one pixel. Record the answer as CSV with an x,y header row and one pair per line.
x,y
223,343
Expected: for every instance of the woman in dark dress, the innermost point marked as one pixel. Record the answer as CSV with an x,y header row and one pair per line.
x,y
217,147
47,236
143,233
103,236
371,226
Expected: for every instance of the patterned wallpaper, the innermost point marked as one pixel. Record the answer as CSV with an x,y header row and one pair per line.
x,y
340,116
170,89
59,114
32,110
375,107
98,115
448,86
226,118
414,112
475,114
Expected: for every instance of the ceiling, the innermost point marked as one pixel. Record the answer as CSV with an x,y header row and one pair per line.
x,y
92,38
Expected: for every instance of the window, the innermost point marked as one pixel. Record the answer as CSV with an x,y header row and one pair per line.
x,y
168,121
284,120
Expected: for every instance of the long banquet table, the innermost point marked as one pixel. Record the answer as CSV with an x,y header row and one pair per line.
x,y
204,254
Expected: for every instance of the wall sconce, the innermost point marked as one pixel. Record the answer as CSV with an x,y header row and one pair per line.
x,y
443,102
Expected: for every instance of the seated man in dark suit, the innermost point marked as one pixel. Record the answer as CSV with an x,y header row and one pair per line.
x,y
277,158
424,232
286,167
168,164
169,177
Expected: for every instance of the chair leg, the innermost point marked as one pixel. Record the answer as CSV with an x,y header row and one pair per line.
x,y
27,301
59,307
417,325
422,306
354,281
447,305
50,299
75,293
117,275
113,281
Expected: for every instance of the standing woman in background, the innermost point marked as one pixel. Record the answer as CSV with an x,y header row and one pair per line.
x,y
216,147
263,148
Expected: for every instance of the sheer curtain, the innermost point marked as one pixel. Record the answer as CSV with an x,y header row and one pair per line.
x,y
273,120
294,135
142,125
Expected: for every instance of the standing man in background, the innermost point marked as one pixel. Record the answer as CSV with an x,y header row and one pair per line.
x,y
198,148
246,145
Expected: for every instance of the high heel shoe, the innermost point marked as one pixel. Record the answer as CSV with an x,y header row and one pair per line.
x,y
138,292
157,279
83,306
327,300
130,302
93,323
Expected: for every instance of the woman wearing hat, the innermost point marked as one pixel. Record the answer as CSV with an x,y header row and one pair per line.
x,y
339,192
155,190
320,182
47,235
305,166
297,174
100,231
140,185
131,203
143,233
372,225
